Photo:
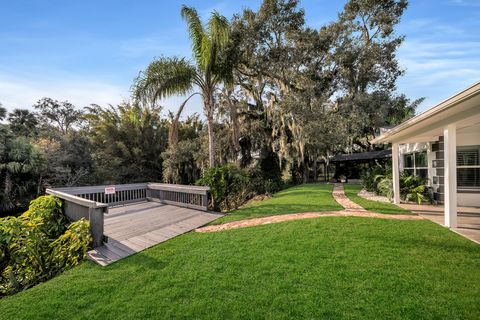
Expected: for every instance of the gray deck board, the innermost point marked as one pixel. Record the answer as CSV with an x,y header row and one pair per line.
x,y
135,227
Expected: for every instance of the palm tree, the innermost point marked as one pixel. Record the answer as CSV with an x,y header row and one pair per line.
x,y
165,76
20,164
23,122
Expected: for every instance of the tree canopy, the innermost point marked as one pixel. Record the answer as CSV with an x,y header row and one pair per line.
x,y
279,97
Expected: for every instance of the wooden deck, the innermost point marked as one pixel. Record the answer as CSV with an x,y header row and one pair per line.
x,y
133,228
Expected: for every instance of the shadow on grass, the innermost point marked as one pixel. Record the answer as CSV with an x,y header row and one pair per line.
x,y
352,190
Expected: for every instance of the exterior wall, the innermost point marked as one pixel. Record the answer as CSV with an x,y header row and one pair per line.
x,y
468,137
437,165
435,156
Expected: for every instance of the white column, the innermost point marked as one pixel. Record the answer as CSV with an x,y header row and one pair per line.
x,y
450,156
395,174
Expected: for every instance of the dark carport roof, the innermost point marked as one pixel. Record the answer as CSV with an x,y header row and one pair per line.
x,y
362,156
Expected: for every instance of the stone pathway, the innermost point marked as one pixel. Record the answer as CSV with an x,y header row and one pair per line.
x,y
343,200
299,216
351,210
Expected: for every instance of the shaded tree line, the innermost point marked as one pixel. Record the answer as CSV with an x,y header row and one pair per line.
x,y
57,144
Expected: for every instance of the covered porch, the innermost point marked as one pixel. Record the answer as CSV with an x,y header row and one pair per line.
x,y
449,135
468,218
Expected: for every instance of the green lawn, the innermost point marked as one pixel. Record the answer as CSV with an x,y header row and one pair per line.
x,y
335,267
303,198
330,267
351,191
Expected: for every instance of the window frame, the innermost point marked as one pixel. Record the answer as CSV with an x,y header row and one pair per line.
x,y
477,166
415,167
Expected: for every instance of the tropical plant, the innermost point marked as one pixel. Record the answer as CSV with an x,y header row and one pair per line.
x,y
71,247
165,76
38,245
412,188
23,122
384,185
371,176
128,141
229,186
20,166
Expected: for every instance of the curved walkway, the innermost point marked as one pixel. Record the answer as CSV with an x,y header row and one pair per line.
x,y
351,210
339,196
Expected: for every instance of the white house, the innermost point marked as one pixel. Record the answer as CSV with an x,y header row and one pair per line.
x,y
443,145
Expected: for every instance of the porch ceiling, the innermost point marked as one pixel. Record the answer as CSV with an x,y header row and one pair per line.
x,y
463,109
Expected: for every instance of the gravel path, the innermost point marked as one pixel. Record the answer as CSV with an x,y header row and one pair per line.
x,y
372,196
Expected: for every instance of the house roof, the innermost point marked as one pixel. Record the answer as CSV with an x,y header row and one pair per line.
x,y
371,155
462,108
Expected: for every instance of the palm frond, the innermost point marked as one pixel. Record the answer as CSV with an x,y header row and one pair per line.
x,y
164,77
195,31
219,30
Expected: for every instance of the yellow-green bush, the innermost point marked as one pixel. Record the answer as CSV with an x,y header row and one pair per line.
x,y
39,244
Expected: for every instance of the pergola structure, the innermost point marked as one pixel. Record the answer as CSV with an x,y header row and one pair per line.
x,y
449,128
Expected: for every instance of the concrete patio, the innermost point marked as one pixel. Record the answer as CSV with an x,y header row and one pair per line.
x,y
468,218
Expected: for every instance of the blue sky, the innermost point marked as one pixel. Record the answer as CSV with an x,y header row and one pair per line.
x,y
90,51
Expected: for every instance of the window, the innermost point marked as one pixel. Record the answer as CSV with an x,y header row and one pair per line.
x,y
468,167
415,164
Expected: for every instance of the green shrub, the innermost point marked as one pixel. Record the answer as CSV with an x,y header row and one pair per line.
x,y
229,186
414,189
384,186
411,188
71,247
273,186
48,209
38,245
370,177
260,185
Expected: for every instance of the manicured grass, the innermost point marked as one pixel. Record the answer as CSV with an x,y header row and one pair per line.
x,y
335,267
351,191
303,198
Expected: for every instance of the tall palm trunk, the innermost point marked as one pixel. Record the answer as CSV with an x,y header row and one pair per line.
x,y
211,134
211,141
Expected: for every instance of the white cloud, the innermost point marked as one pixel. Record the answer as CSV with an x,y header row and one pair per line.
x,y
467,3
429,63
22,92
439,59
429,27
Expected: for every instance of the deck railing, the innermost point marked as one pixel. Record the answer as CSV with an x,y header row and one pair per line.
x,y
121,193
93,201
181,195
